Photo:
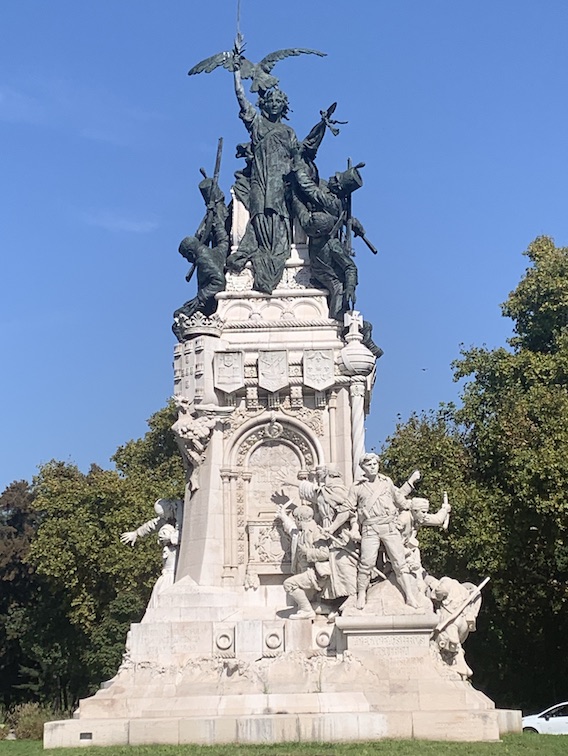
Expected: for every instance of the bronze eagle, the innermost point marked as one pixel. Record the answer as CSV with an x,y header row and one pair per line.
x,y
258,72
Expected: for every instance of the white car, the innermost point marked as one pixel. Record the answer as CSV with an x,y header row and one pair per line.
x,y
552,721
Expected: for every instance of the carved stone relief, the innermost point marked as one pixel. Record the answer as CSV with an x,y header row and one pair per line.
x,y
229,371
319,370
267,463
273,370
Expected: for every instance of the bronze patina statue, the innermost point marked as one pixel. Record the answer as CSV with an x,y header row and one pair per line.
x,y
279,183
206,251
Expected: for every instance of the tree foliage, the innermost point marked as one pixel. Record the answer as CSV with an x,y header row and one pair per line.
x,y
75,587
18,522
503,455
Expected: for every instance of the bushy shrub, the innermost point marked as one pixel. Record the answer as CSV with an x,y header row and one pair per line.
x,y
27,720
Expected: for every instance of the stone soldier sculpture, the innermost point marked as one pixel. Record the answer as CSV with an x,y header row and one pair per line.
x,y
327,492
324,567
378,502
310,559
410,521
457,606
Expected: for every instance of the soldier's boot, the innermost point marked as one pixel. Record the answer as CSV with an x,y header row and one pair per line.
x,y
305,610
405,580
363,581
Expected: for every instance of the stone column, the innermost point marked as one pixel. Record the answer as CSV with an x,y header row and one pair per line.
x,y
359,363
357,396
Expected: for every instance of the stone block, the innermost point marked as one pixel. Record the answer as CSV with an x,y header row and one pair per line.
x,y
268,729
208,730
328,728
441,695
151,731
351,702
509,720
298,635
195,706
103,708
399,725
192,638
243,705
71,733
297,703
455,725
248,638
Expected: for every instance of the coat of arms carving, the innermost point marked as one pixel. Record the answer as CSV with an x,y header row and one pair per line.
x,y
229,368
273,370
319,368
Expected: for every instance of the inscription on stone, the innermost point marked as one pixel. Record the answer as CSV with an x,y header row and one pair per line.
x,y
390,646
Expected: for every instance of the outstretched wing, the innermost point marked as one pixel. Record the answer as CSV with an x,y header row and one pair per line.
x,y
248,69
224,59
270,60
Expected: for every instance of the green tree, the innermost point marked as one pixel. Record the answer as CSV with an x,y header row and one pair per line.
x,y
71,627
18,523
506,446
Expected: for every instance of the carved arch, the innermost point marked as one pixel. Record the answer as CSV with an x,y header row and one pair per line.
x,y
272,426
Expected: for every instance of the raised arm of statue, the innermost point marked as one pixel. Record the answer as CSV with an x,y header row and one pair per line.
x,y
168,511
248,111
399,498
288,523
148,527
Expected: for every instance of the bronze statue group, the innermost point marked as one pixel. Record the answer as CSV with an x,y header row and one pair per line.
x,y
279,184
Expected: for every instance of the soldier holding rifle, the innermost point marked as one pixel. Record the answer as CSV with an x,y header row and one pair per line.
x,y
207,261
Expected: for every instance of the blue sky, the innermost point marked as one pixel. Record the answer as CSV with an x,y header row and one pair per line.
x,y
457,108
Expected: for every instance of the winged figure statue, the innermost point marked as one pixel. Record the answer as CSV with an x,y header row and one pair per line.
x,y
262,79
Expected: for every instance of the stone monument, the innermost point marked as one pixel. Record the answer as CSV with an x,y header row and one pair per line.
x,y
293,604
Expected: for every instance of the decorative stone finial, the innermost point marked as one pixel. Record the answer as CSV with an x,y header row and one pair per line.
x,y
358,360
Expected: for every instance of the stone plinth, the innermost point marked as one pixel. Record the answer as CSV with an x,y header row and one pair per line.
x,y
270,385
212,665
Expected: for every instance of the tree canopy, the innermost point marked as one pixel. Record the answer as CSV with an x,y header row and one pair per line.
x,y
74,588
503,455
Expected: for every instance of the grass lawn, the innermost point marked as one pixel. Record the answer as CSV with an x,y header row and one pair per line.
x,y
511,745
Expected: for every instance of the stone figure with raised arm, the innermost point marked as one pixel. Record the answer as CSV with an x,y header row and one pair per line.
x,y
309,558
378,502
409,523
168,512
327,492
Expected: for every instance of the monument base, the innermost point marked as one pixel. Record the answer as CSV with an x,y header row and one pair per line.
x,y
246,673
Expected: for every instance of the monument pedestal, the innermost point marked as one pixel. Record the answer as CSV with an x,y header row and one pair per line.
x,y
270,385
218,665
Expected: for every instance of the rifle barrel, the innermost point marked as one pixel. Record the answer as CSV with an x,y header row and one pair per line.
x,y
371,246
218,160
